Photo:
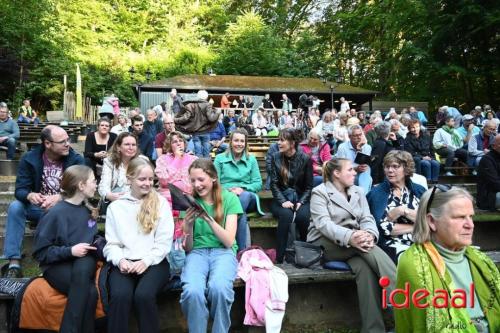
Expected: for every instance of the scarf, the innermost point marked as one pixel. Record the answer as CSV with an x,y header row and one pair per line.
x,y
455,137
427,259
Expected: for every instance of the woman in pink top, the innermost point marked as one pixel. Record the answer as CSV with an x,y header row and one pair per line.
x,y
319,152
172,167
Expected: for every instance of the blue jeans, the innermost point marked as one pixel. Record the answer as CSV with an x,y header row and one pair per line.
x,y
317,180
427,168
17,214
11,147
207,278
25,120
364,180
201,145
222,148
248,203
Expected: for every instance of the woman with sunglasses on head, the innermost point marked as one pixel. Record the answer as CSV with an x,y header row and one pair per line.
x,y
394,203
139,231
291,185
443,260
63,247
210,268
343,226
97,144
239,173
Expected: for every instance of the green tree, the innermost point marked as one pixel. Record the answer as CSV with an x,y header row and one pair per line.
x,y
250,47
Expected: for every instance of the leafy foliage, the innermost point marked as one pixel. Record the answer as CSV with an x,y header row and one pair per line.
x,y
441,51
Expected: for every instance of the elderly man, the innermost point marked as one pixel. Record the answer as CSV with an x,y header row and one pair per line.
x,y
168,126
198,118
37,189
480,144
468,129
9,131
350,149
488,180
152,125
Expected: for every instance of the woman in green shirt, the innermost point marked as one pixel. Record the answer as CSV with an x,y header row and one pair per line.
x,y
239,173
210,267
442,260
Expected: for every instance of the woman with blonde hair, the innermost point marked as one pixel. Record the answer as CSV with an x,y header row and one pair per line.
x,y
442,260
343,226
63,248
210,268
139,231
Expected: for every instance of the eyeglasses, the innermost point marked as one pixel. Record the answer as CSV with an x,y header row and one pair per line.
x,y
62,142
392,166
443,188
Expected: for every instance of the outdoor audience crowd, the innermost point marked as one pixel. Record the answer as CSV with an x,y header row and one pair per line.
x,y
354,184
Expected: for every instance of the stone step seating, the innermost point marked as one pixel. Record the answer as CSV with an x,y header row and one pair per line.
x,y
319,300
318,291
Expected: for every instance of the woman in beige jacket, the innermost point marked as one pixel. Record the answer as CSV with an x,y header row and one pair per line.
x,y
343,225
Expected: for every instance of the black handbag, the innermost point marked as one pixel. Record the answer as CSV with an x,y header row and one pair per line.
x,y
305,255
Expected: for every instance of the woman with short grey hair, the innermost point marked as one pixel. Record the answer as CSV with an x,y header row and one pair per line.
x,y
442,260
381,146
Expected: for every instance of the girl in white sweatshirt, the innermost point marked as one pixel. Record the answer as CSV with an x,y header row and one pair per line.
x,y
139,231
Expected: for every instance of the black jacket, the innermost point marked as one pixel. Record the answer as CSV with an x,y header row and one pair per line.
x,y
421,146
488,180
300,177
380,148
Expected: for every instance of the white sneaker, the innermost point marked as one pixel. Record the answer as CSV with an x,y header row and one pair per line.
x,y
449,173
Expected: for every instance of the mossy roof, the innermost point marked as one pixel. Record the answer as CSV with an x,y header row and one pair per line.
x,y
255,83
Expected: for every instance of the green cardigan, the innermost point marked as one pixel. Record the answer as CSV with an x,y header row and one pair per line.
x,y
243,173
423,267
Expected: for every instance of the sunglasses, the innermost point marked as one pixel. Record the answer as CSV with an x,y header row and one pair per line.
x,y
443,188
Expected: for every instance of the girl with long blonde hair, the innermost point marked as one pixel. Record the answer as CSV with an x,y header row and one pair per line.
x,y
139,231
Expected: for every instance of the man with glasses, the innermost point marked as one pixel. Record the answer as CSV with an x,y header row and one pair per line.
x,y
350,149
480,144
37,189
9,131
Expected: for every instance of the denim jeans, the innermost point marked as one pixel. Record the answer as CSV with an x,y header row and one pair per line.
x,y
427,168
248,203
207,279
11,147
364,180
25,120
317,180
201,145
17,214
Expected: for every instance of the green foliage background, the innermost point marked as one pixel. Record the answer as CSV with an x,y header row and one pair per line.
x,y
440,51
